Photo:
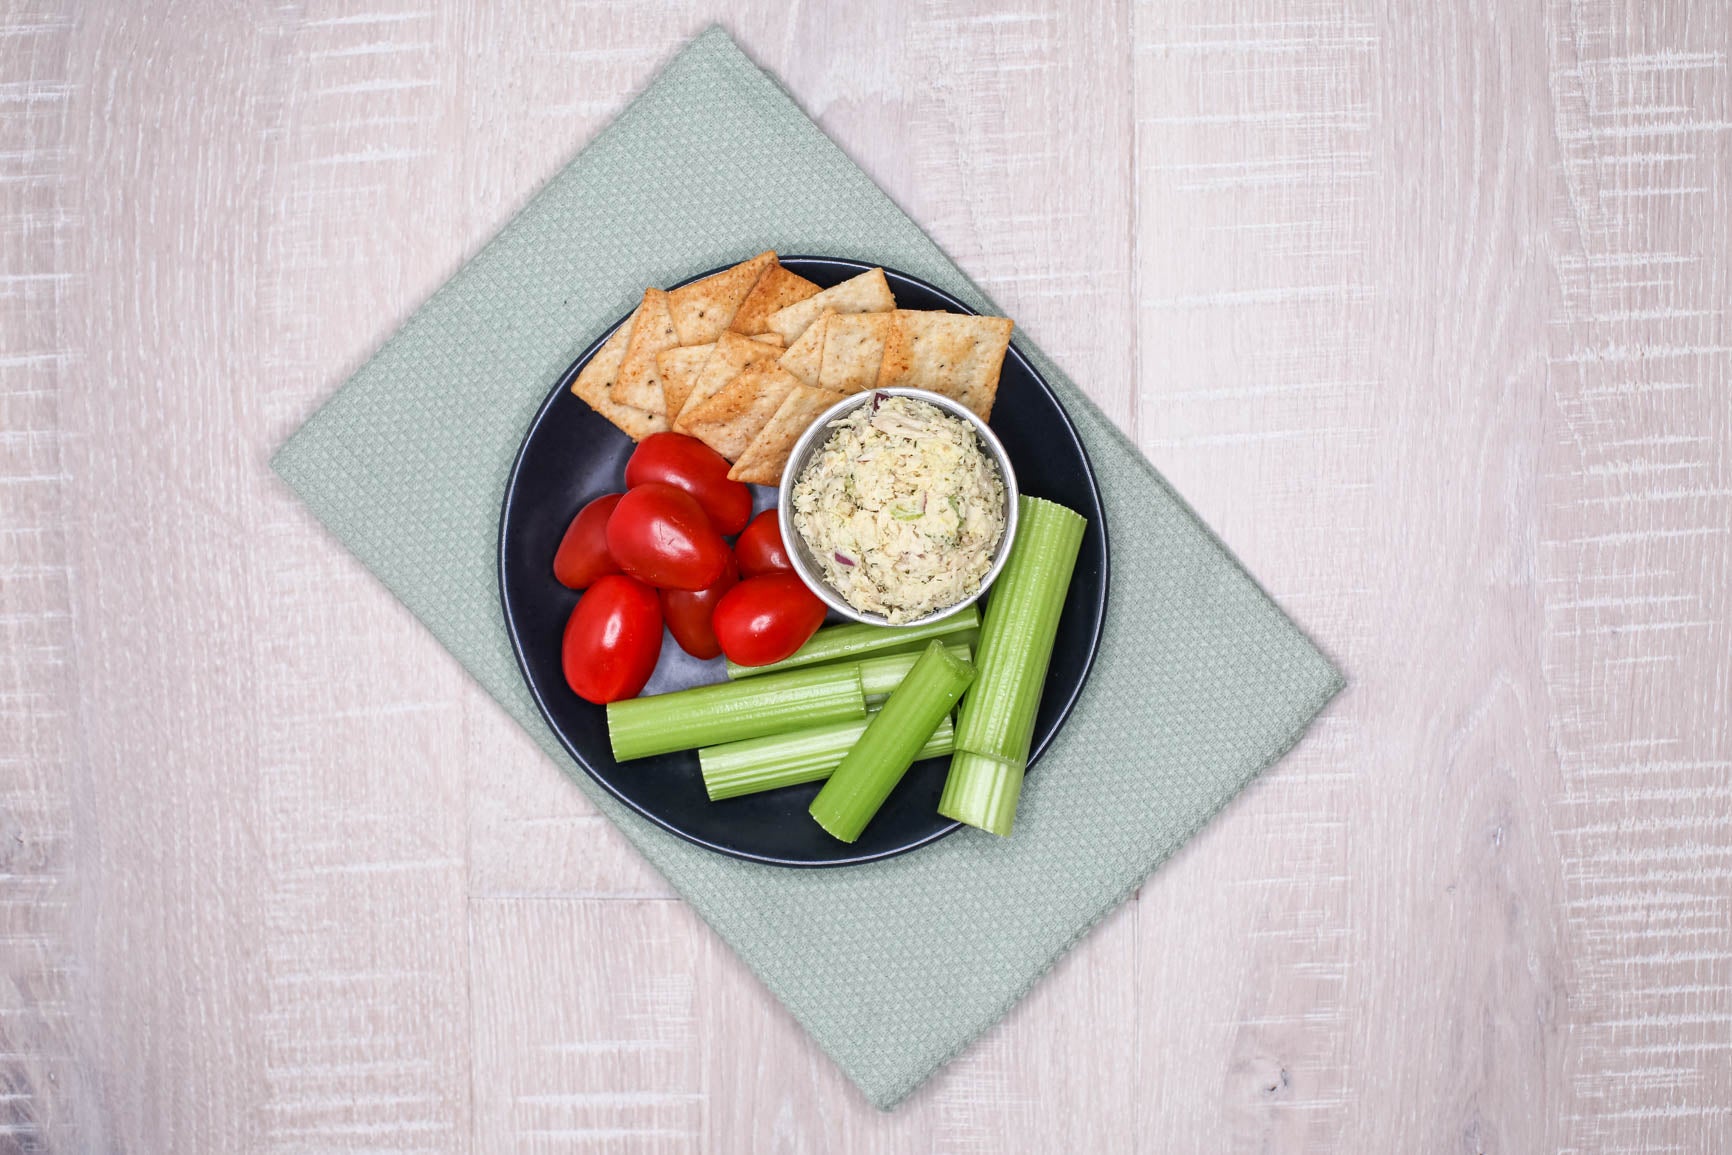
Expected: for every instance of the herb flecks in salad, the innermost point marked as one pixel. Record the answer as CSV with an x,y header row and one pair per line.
x,y
902,508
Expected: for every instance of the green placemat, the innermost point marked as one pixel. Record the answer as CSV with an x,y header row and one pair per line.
x,y
893,967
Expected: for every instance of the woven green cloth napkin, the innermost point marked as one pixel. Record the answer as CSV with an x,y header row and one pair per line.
x,y
893,967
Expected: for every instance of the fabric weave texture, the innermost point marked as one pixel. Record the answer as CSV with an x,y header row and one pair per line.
x,y
893,967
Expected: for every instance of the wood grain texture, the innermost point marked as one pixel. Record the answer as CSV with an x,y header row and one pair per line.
x,y
1424,308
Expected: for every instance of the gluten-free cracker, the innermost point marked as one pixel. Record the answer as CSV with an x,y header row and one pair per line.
x,y
639,384
594,386
730,420
776,289
867,293
955,354
764,459
733,353
703,309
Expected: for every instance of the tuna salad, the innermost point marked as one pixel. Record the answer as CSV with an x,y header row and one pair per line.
x,y
902,508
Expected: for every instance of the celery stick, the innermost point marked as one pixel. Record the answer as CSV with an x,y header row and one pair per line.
x,y
835,643
1017,637
759,764
982,791
891,742
879,676
730,711
996,723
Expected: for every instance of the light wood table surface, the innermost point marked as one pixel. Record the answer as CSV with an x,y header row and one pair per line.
x,y
1424,307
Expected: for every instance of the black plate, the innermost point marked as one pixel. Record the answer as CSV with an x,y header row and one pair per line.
x,y
571,455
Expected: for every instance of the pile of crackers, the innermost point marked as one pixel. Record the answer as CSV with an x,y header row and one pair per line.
x,y
745,359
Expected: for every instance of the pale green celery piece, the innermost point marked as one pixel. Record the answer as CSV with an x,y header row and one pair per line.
x,y
857,640
731,711
1016,640
891,742
759,764
880,676
982,791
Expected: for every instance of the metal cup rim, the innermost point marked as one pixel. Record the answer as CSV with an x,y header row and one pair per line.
x,y
818,433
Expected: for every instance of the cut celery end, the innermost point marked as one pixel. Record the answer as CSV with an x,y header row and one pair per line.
x,y
893,738
732,711
880,676
858,640
760,764
982,791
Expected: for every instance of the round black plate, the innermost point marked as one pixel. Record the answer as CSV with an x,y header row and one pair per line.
x,y
571,455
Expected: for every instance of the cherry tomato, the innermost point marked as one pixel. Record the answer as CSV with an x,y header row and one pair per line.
x,y
583,555
688,614
612,640
766,618
659,534
687,463
760,549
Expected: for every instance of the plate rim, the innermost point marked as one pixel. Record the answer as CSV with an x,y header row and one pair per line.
x,y
563,383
